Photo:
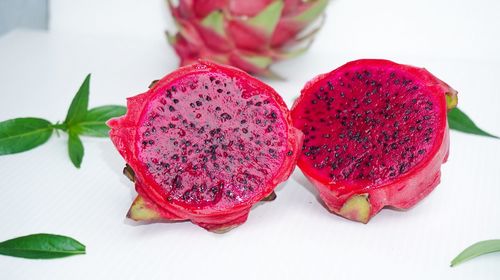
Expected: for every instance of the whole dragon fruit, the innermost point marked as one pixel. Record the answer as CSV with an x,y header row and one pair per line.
x,y
376,134
248,34
205,143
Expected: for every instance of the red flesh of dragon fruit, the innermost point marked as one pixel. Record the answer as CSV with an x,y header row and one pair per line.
x,y
376,135
205,143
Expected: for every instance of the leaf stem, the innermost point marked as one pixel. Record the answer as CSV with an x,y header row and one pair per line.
x,y
60,126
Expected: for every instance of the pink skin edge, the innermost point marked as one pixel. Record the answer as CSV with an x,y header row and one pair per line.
x,y
124,132
407,190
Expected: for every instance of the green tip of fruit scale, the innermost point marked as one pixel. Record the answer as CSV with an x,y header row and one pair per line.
x,y
356,208
451,99
141,211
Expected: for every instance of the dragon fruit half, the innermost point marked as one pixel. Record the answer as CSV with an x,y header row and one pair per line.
x,y
376,134
205,143
248,34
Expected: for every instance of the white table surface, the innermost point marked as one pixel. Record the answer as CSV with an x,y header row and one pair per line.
x,y
293,237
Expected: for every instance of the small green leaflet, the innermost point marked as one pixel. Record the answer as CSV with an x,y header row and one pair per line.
x,y
75,149
94,123
22,134
79,106
41,246
459,121
476,250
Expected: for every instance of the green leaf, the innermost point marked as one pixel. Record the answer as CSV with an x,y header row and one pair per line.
x,y
459,121
94,123
78,108
22,134
476,250
41,246
75,149
268,18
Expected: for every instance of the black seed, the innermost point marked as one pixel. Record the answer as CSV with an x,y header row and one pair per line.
x,y
402,168
219,90
198,103
258,104
177,182
171,108
289,153
395,135
225,116
208,98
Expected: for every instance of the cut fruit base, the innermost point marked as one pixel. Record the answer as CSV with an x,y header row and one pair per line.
x,y
376,135
204,144
143,211
362,206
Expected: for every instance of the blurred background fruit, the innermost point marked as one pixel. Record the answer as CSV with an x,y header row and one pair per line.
x,y
250,35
